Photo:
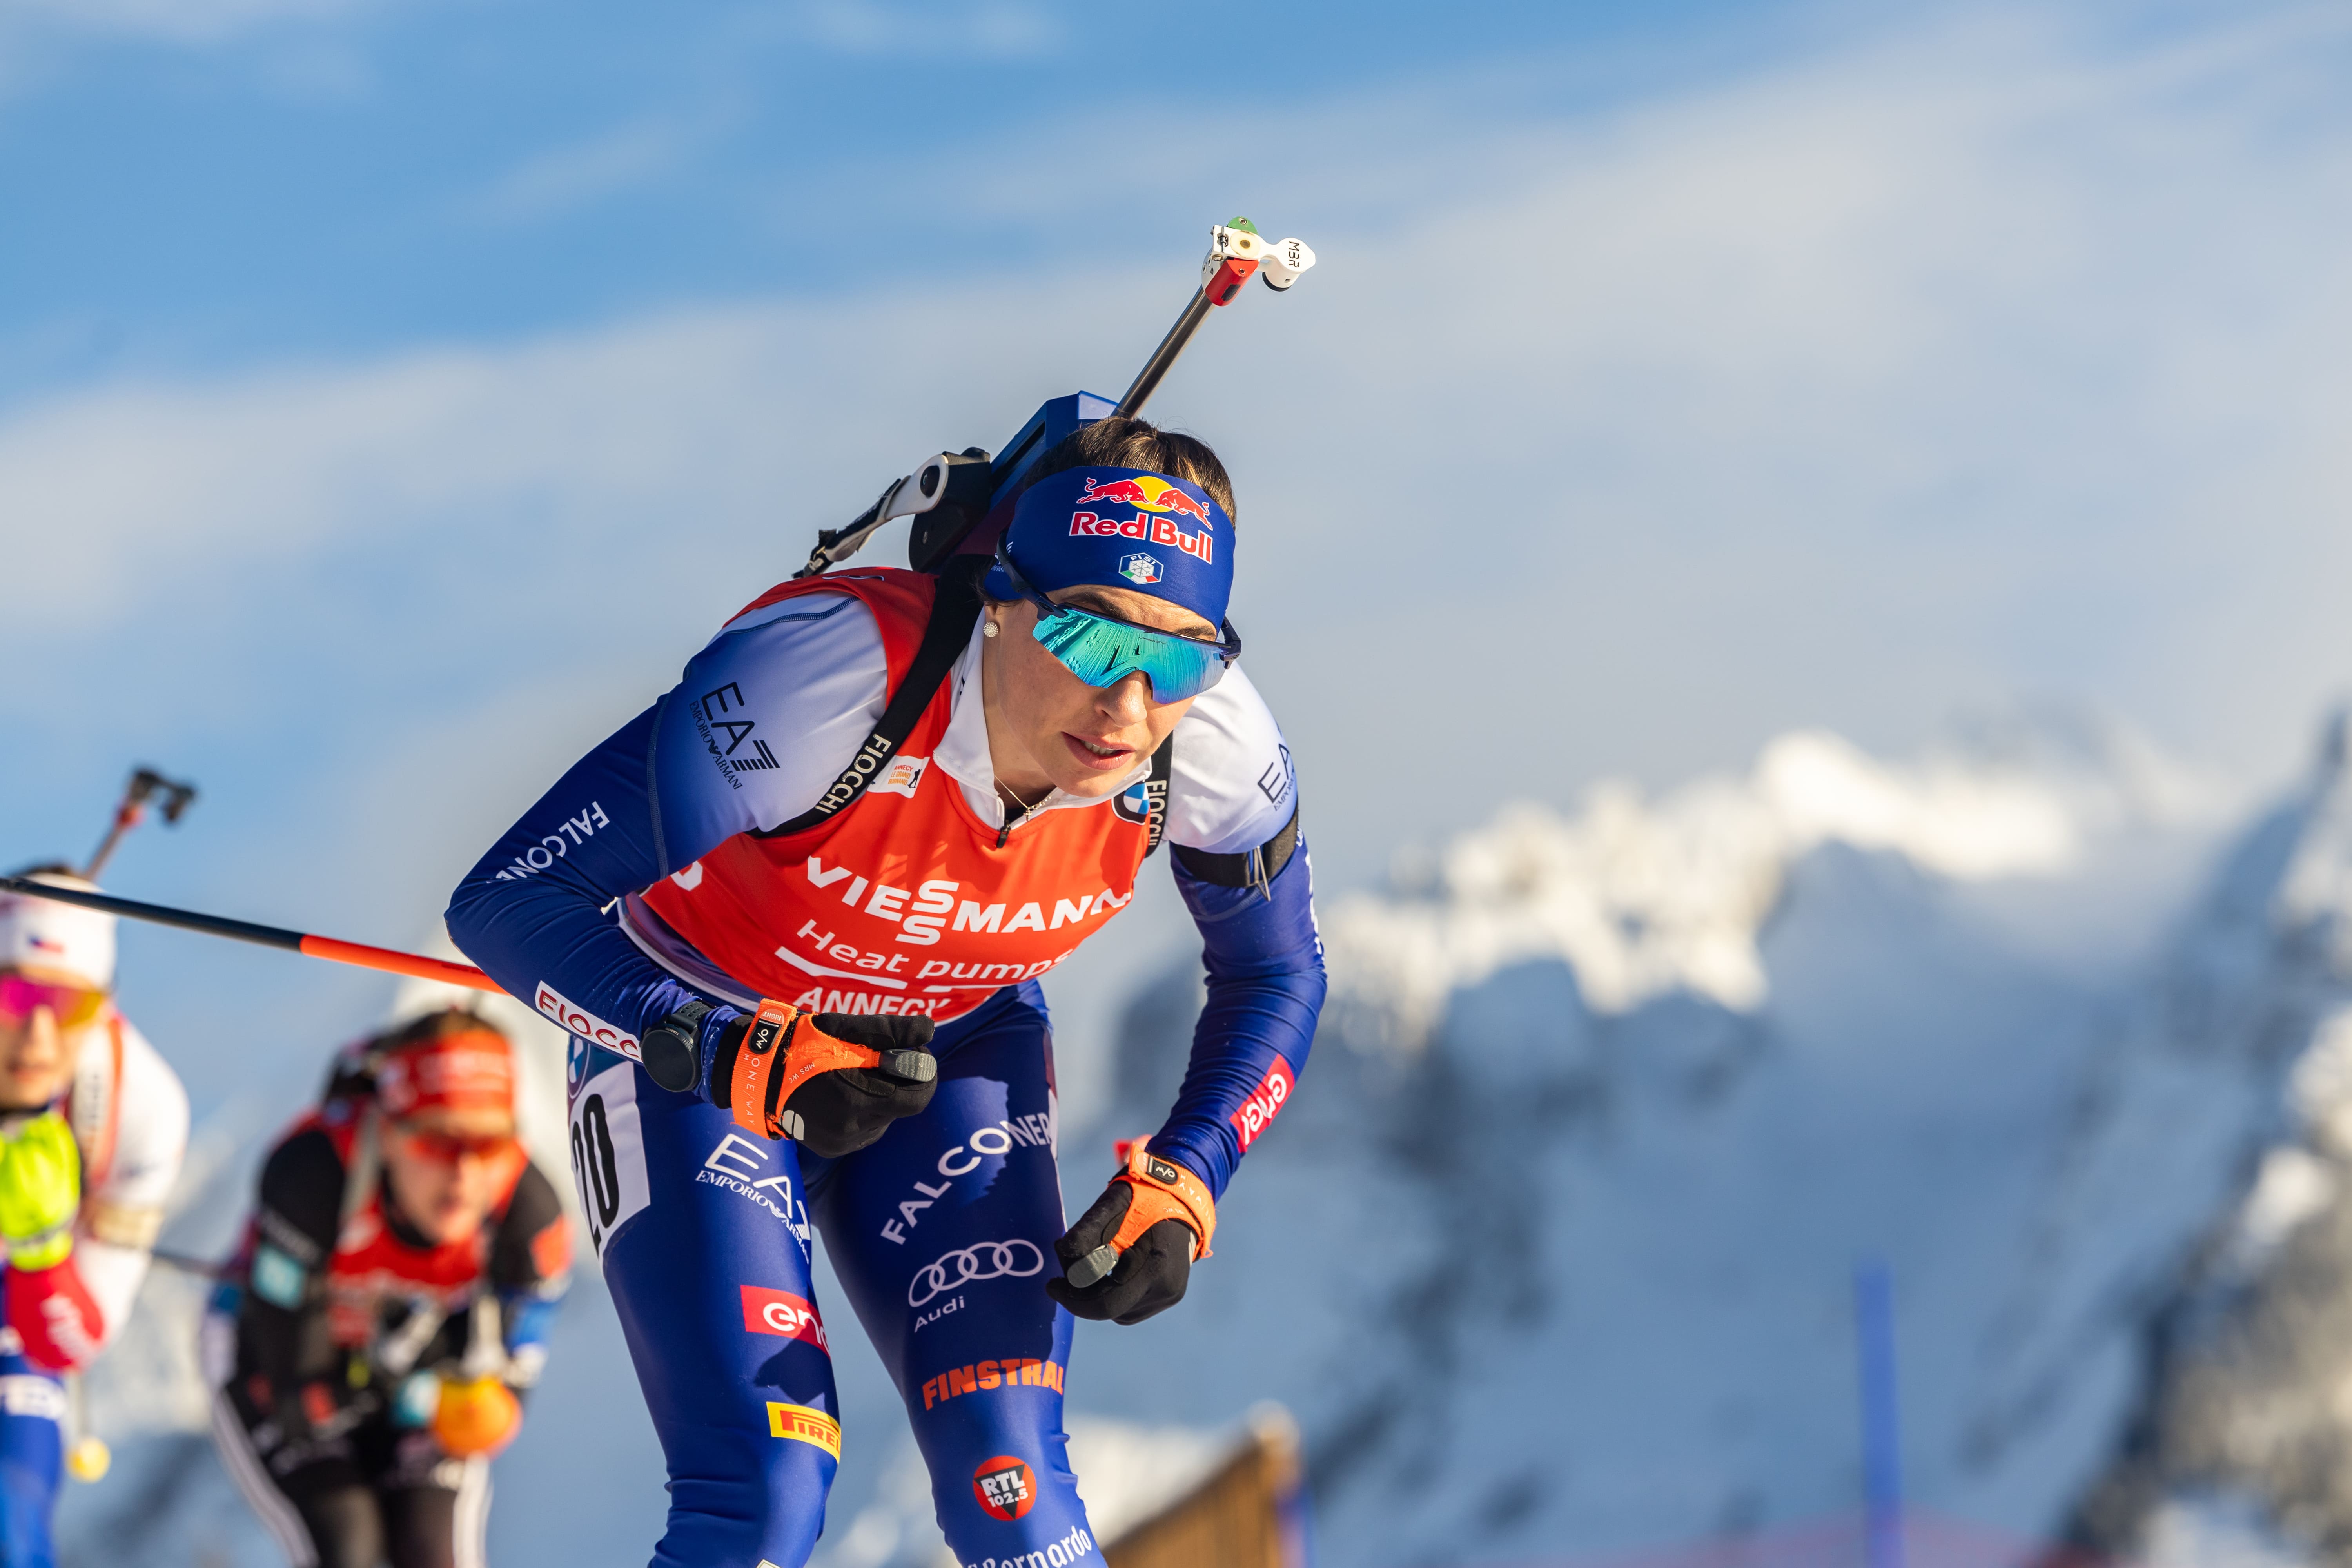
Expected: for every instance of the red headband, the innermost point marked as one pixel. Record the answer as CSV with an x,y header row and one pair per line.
x,y
469,1071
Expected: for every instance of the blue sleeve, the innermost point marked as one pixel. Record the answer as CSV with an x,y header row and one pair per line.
x,y
1265,959
687,775
531,912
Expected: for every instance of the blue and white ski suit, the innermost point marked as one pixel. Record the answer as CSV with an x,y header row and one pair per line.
x,y
942,1231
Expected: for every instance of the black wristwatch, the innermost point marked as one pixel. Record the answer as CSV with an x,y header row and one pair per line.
x,y
672,1049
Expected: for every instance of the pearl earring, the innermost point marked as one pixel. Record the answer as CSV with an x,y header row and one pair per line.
x,y
988,628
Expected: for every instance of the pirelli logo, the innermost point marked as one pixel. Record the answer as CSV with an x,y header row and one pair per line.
x,y
804,1425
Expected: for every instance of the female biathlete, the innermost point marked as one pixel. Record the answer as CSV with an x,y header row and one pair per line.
x,y
93,1126
750,896
391,1297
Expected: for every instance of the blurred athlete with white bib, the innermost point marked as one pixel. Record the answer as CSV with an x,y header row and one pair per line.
x,y
93,1126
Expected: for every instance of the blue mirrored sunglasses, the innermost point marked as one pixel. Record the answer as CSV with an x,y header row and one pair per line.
x,y
1102,650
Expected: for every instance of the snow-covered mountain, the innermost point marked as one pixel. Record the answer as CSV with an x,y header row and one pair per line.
x,y
1551,1253
1553,1250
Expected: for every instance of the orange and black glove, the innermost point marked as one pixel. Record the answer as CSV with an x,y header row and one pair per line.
x,y
832,1082
1131,1254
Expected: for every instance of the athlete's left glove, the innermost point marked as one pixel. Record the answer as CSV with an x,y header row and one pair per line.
x,y
1130,1255
833,1083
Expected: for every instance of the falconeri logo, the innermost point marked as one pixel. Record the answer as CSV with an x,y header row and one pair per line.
x,y
1014,1259
1139,568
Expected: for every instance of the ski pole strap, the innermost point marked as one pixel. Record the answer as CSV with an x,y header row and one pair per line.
x,y
1163,1190
783,1049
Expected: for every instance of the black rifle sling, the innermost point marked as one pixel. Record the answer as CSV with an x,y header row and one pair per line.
x,y
955,608
1155,794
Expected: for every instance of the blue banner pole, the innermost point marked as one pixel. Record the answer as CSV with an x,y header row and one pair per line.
x,y
1881,1436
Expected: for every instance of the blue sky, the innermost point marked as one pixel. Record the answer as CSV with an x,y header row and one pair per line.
x,y
391,396
394,395
312,177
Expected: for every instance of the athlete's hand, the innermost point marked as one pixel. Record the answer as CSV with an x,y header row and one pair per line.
x,y
1131,1255
480,1415
833,1083
40,1191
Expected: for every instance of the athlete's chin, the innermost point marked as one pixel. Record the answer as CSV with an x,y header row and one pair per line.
x,y
450,1225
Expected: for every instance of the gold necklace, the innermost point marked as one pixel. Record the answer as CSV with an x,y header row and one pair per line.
x,y
1006,789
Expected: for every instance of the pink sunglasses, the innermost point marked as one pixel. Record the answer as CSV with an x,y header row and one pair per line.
x,y
71,1005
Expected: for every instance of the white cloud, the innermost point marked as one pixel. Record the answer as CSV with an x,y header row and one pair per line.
x,y
1869,385
620,159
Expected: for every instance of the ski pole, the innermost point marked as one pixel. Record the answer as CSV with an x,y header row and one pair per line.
x,y
360,956
88,1458
145,784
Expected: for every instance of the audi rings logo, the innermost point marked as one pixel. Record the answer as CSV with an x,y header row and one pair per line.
x,y
982,1260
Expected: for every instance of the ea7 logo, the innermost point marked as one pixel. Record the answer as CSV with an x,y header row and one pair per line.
x,y
782,1313
1265,1103
715,728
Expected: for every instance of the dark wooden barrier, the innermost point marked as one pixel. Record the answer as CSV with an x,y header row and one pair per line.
x,y
1246,1514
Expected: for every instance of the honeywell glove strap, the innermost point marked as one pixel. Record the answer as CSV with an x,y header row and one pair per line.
x,y
1131,1255
1163,1190
833,1083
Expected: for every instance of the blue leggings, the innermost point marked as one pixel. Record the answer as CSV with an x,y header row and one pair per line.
x,y
942,1232
32,1456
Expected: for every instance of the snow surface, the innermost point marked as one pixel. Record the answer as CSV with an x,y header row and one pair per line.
x,y
1552,1252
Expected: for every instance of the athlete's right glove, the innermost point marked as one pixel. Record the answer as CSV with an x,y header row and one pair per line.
x,y
476,1416
833,1083
1132,1255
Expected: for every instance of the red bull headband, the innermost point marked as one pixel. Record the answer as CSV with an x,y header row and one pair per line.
x,y
1122,528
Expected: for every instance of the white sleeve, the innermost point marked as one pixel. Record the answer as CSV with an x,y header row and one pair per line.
x,y
1233,786
120,1217
767,716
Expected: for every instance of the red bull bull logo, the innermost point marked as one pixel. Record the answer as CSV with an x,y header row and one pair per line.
x,y
1148,491
1160,530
